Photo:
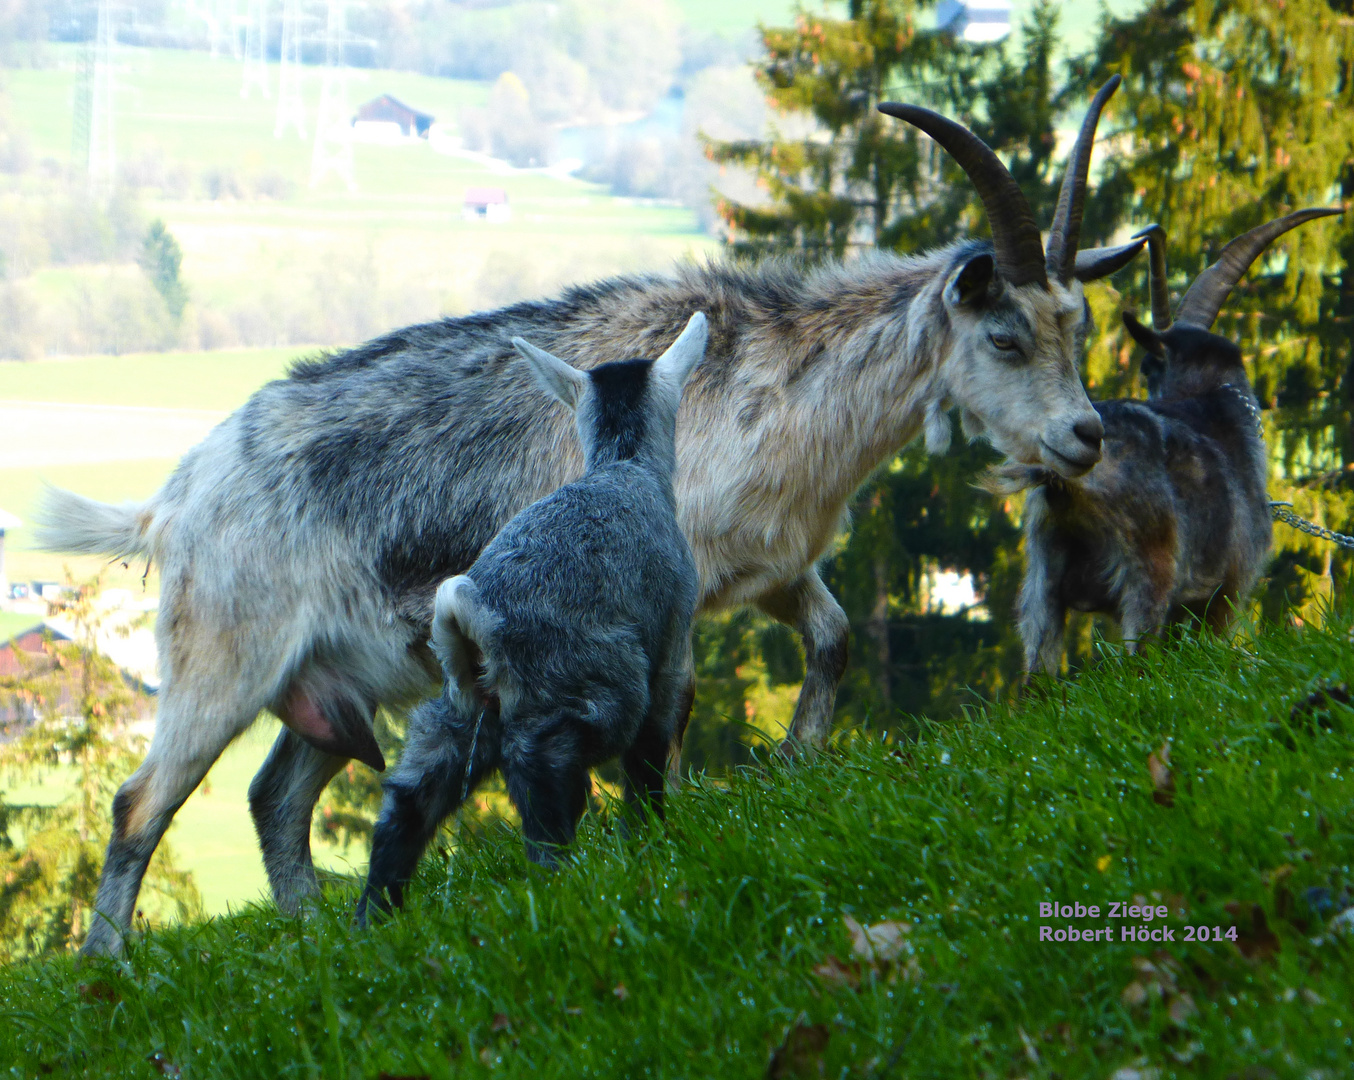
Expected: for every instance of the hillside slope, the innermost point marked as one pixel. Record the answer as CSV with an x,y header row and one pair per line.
x,y
874,913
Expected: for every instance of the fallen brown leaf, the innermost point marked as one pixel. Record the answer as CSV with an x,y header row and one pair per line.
x,y
882,941
1159,765
98,991
1181,1008
801,1053
833,970
1255,940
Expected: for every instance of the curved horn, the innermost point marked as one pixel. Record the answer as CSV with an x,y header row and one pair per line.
x,y
1066,229
1204,299
1015,234
1161,296
1092,264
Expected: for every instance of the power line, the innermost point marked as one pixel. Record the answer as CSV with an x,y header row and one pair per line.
x,y
255,46
291,108
93,144
333,151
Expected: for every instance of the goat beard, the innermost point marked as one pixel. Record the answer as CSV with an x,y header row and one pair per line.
x,y
1013,477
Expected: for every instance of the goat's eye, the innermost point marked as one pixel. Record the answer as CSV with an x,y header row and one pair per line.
x,y
1004,342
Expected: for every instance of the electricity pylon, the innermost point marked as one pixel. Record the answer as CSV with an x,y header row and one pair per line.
x,y
333,125
93,144
255,49
291,109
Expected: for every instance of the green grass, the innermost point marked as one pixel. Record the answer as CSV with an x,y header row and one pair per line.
x,y
694,951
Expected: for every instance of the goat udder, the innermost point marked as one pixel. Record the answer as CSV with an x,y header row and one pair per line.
x,y
334,726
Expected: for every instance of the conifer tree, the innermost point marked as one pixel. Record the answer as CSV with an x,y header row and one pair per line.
x,y
74,704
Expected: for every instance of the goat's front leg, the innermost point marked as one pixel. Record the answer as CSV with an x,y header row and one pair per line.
x,y
432,780
806,605
659,741
1041,615
548,783
282,799
1142,613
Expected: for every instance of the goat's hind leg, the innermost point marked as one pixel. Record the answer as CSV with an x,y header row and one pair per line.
x,y
282,799
189,737
429,784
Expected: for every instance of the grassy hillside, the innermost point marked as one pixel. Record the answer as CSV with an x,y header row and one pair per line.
x,y
875,913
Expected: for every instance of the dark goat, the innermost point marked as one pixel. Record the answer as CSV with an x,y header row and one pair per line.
x,y
1174,522
568,642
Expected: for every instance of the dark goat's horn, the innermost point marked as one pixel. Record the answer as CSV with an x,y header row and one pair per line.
x,y
1066,229
1092,264
1203,301
1156,254
1015,234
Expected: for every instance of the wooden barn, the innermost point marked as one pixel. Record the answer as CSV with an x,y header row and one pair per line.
x,y
387,109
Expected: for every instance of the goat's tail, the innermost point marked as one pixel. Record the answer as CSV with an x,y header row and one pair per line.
x,y
463,638
1012,477
71,523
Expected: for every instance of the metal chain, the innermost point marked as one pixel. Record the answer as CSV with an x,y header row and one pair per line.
x,y
1279,509
1311,528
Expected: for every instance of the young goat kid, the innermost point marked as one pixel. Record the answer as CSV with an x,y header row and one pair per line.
x,y
568,642
1174,522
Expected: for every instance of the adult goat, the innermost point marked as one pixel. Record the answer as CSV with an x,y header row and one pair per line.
x,y
301,543
1174,522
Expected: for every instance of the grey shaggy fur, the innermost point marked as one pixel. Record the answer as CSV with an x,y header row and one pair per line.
x,y
1174,522
568,642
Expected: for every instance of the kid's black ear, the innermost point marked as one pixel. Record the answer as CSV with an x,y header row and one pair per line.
x,y
970,284
1145,336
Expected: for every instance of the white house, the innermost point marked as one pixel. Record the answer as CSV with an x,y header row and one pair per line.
x,y
975,20
486,204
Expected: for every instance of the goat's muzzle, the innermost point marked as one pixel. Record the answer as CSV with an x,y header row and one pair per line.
x,y
1072,449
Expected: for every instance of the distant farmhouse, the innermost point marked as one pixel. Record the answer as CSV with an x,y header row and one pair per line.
x,y
975,20
388,119
25,655
486,204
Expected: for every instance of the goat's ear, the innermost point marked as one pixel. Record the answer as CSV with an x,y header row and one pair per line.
x,y
560,380
685,353
1145,336
971,284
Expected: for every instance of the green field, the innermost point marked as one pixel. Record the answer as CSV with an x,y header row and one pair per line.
x,y
875,913
268,258
220,380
